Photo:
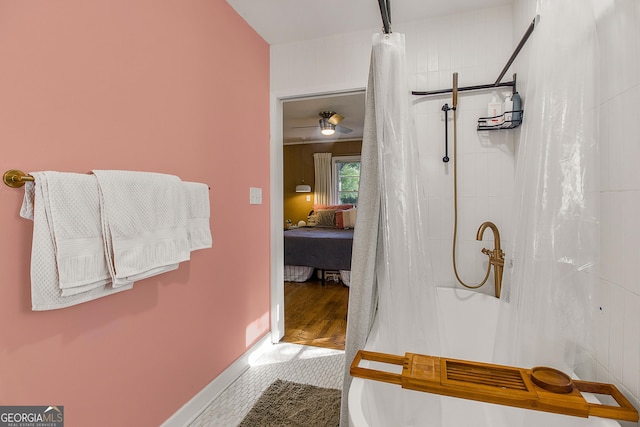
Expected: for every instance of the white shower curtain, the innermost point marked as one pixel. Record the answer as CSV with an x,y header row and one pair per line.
x,y
555,254
390,253
322,168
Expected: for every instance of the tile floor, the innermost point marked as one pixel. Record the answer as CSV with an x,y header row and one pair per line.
x,y
292,362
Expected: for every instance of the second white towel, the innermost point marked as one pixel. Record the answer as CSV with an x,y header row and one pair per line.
x,y
144,223
198,214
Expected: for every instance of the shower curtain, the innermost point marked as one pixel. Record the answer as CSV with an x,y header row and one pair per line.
x,y
556,241
548,291
391,277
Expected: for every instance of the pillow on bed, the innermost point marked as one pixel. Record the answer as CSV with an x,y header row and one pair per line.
x,y
349,218
326,218
340,219
312,220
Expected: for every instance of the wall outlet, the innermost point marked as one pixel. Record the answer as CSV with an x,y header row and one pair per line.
x,y
255,196
308,198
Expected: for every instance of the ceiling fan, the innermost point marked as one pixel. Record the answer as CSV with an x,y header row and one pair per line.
x,y
329,123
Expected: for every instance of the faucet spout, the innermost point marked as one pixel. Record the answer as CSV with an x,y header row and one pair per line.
x,y
496,256
494,229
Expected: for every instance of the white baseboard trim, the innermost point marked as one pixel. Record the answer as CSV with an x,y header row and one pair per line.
x,y
198,403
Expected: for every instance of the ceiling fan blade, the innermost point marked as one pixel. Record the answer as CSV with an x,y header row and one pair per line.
x,y
343,129
335,119
303,127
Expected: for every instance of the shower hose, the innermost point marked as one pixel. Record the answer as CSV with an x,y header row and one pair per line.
x,y
455,190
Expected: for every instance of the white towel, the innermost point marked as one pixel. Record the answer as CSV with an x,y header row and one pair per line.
x,y
54,264
144,222
198,213
73,210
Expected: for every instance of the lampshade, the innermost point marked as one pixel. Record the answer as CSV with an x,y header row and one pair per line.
x,y
303,188
327,128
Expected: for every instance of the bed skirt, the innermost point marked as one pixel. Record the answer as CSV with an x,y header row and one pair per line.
x,y
297,273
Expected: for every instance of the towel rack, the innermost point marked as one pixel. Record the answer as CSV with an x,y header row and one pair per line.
x,y
15,178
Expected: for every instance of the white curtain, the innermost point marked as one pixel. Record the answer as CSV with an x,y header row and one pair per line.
x,y
556,242
322,167
390,253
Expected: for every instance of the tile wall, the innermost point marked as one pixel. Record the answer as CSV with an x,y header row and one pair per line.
x,y
618,329
477,46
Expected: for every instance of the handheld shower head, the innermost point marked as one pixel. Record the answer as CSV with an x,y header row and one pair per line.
x,y
455,90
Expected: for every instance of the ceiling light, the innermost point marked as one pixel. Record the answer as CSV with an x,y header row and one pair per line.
x,y
327,128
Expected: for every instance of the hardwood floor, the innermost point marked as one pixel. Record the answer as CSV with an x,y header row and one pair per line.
x,y
315,314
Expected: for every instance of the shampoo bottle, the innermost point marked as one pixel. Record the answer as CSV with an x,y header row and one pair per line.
x,y
517,107
508,109
494,111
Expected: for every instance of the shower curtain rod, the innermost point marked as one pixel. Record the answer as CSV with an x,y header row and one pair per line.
x,y
385,12
468,88
498,82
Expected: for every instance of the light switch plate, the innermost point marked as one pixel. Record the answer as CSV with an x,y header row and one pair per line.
x,y
255,196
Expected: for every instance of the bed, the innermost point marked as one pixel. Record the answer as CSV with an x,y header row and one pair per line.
x,y
324,247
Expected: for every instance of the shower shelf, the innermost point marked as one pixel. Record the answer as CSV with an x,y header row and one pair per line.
x,y
504,124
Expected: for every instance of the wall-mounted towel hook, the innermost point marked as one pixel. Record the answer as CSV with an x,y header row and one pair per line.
x,y
15,178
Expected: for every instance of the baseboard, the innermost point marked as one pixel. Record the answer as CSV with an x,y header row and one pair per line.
x,y
190,411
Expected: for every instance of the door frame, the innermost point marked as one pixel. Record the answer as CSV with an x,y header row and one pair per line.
x,y
276,191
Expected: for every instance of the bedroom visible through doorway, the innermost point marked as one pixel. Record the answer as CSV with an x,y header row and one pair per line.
x,y
315,314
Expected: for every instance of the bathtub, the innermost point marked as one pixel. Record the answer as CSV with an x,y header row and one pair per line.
x,y
467,321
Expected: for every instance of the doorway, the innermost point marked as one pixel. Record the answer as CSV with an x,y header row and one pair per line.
x,y
299,121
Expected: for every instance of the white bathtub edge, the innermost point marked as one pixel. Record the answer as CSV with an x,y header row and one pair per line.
x,y
356,414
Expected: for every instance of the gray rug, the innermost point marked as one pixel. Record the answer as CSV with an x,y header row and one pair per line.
x,y
291,404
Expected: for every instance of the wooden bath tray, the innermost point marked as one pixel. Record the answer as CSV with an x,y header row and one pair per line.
x,y
540,389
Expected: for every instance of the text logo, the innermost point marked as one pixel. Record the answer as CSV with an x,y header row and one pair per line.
x,y
32,416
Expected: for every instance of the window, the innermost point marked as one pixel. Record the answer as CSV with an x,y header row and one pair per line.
x,y
346,179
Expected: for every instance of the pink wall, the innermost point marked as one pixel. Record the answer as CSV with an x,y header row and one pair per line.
x,y
173,86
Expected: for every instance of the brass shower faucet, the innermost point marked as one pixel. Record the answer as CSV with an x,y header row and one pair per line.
x,y
496,256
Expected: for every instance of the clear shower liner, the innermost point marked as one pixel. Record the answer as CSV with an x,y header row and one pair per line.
x,y
406,306
555,253
548,293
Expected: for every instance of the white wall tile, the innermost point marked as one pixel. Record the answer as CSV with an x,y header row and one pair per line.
x,y
616,332
434,221
602,321
618,32
612,237
467,175
604,146
630,251
631,352
630,117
